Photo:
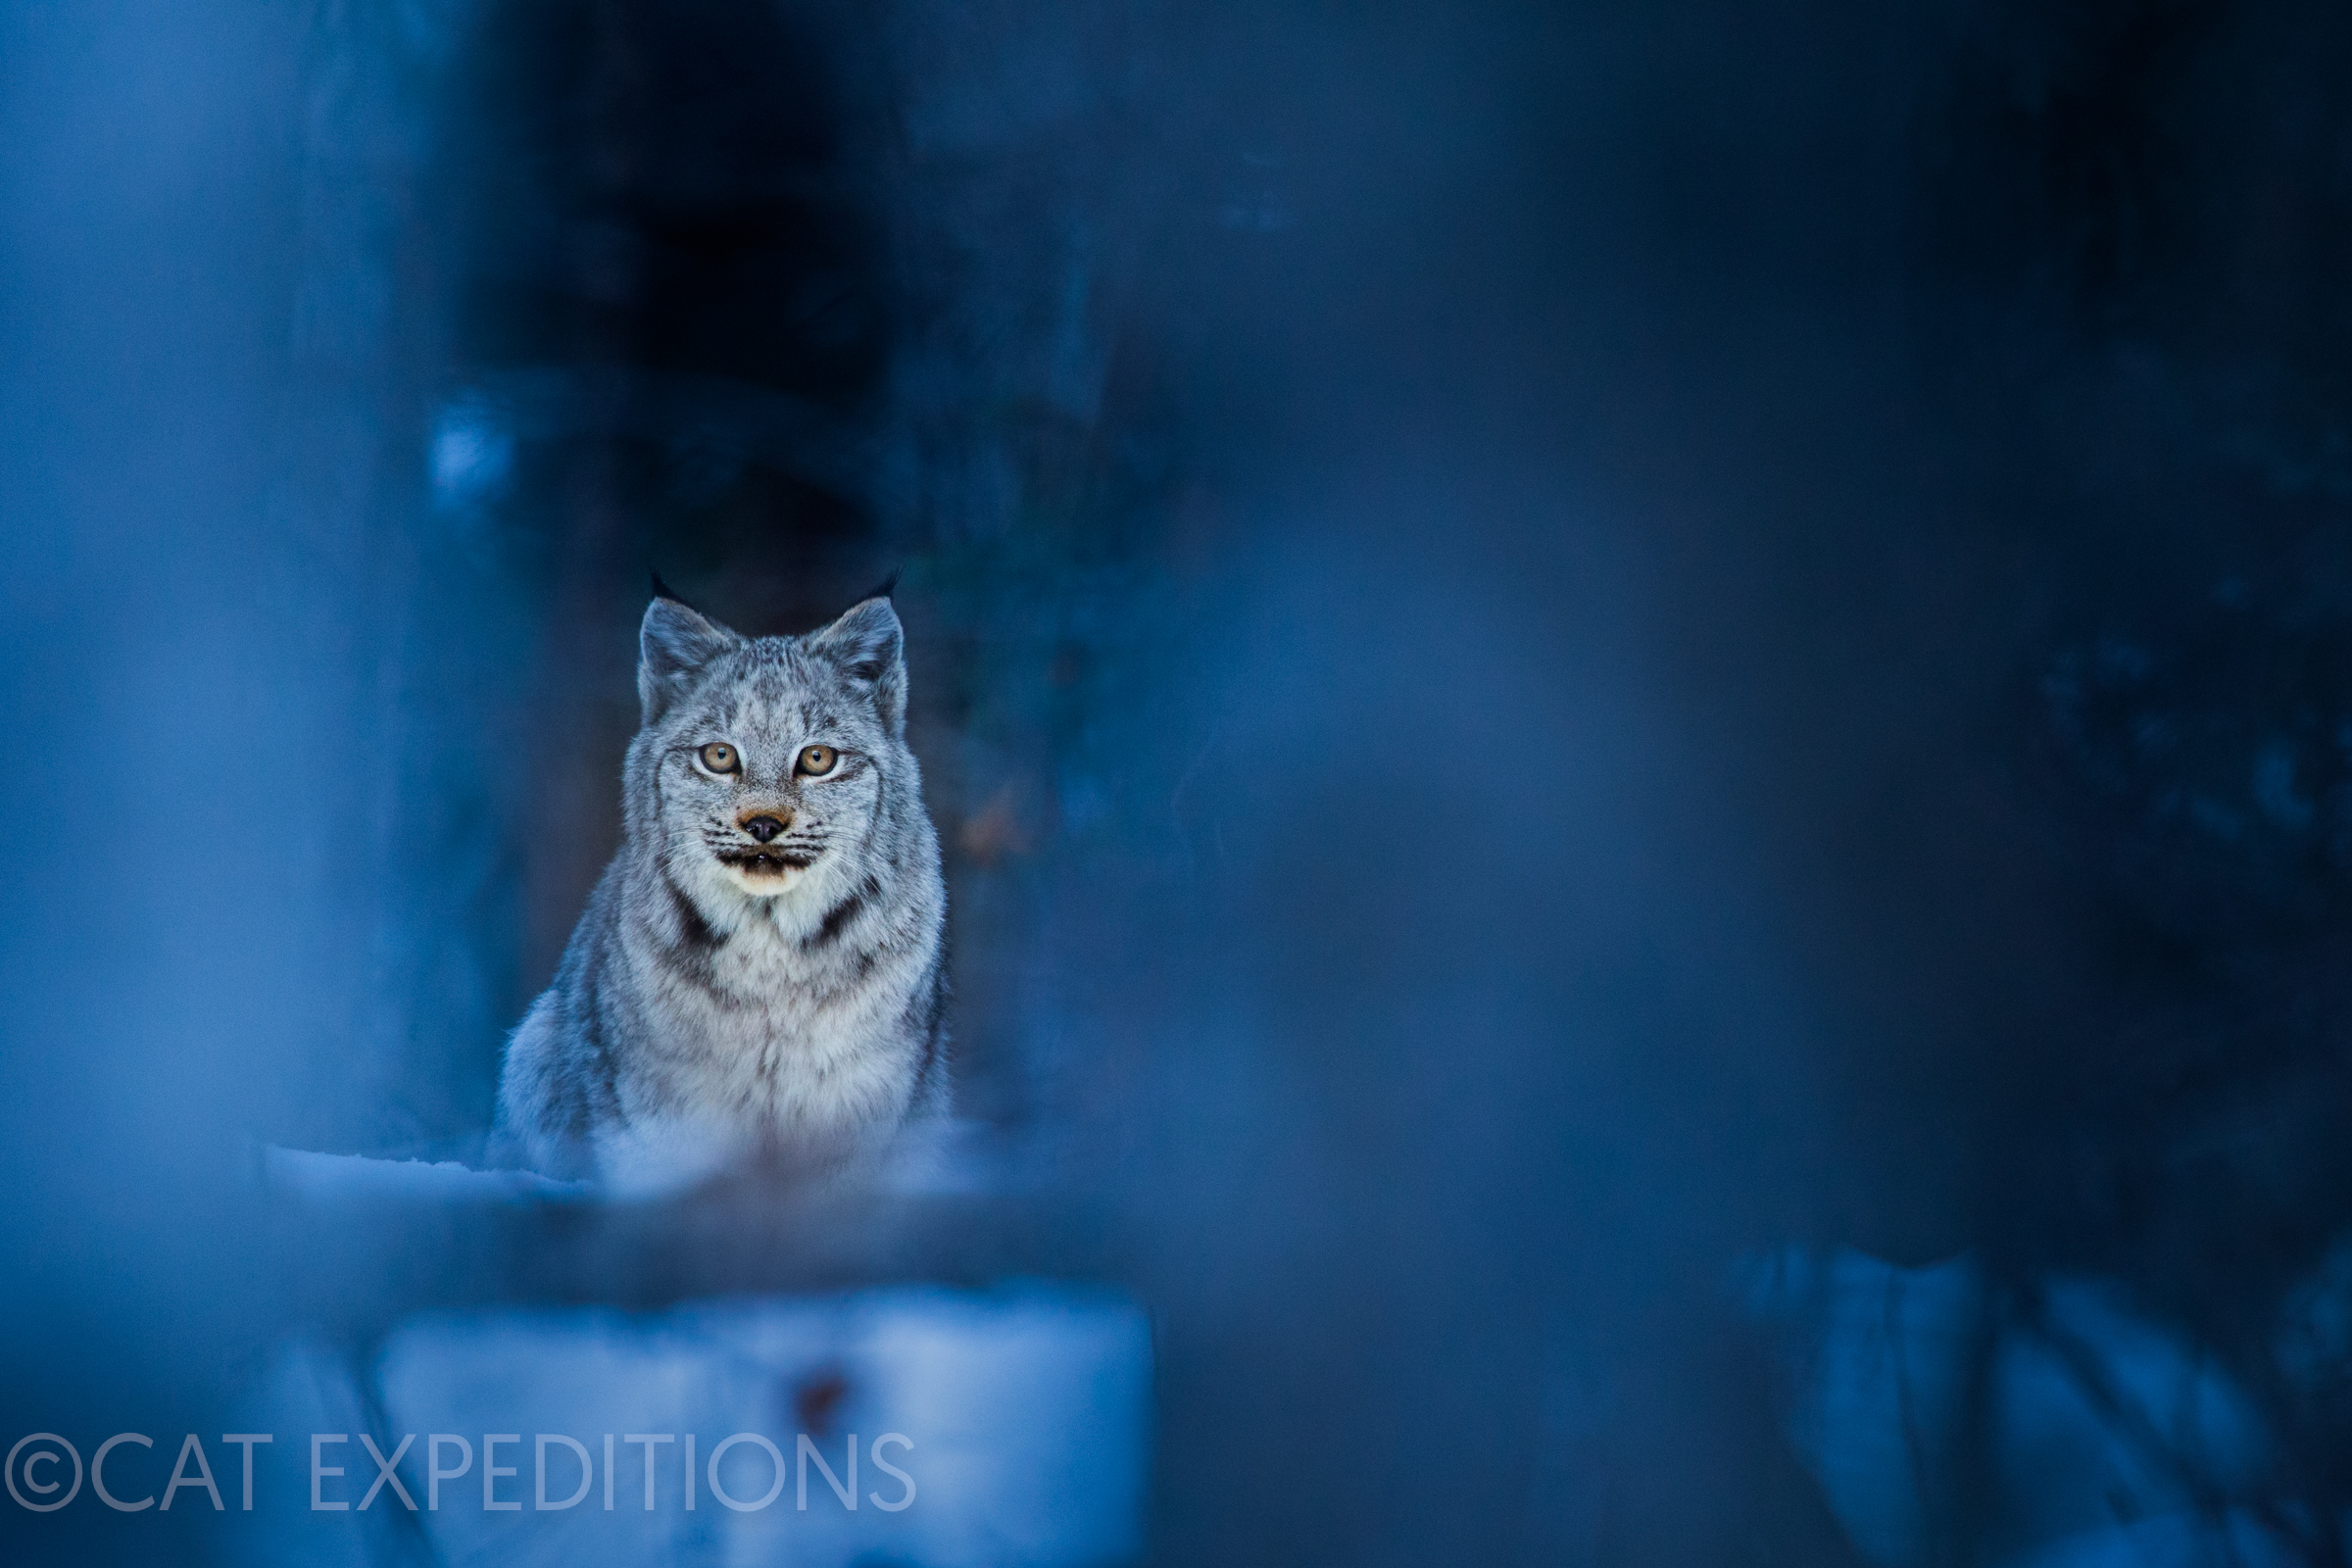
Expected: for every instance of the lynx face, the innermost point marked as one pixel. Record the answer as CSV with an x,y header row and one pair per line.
x,y
770,759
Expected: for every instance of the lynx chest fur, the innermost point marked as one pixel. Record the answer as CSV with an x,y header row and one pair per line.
x,y
758,976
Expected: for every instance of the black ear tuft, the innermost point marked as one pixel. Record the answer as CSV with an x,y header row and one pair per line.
x,y
662,590
888,588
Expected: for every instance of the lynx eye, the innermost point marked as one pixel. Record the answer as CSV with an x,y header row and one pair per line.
x,y
719,758
815,761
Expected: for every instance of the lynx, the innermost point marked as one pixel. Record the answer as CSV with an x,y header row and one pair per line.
x,y
757,978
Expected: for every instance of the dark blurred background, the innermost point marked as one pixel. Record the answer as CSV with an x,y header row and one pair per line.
x,y
1557,650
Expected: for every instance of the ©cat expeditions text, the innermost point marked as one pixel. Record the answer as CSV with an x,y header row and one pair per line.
x,y
647,1470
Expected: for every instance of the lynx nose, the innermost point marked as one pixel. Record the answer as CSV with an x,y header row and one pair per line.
x,y
763,827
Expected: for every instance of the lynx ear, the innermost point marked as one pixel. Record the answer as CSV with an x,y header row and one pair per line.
x,y
673,643
867,644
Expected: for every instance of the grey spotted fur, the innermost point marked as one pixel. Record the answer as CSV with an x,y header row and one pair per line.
x,y
726,1000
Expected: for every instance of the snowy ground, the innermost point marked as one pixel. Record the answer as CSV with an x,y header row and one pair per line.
x,y
999,1425
1024,1415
